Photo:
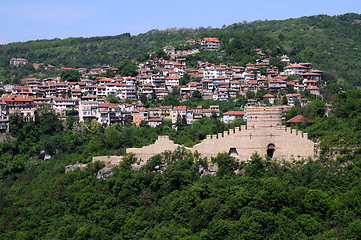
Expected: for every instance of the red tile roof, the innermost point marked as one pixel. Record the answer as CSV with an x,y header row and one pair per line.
x,y
179,108
294,66
211,39
268,96
235,113
299,119
313,88
16,98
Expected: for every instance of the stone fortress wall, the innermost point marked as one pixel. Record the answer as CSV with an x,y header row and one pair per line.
x,y
161,144
264,134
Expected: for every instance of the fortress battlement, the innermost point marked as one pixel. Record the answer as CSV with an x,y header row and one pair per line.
x,y
264,134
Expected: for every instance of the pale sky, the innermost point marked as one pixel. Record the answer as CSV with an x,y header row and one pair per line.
x,y
24,20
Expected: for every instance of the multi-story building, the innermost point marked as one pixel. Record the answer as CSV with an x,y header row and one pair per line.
x,y
88,110
292,98
165,112
18,61
62,105
20,104
4,119
179,110
210,44
296,70
230,116
139,116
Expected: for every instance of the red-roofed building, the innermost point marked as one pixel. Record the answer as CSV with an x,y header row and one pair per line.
x,y
275,84
88,110
139,116
154,112
21,104
4,120
153,122
299,119
18,61
62,105
310,83
296,70
234,85
314,90
172,81
165,112
190,42
306,65
312,76
269,97
249,76
250,66
292,98
286,59
76,93
169,49
252,102
230,116
179,110
210,44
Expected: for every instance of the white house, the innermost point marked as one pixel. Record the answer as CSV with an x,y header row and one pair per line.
x,y
230,116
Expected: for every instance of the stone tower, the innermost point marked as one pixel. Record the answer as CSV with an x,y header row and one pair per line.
x,y
264,117
264,134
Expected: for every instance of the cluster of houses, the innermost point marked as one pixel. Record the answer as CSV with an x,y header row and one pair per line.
x,y
156,79
206,44
91,108
222,82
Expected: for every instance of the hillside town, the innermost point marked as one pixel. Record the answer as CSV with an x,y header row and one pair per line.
x,y
156,79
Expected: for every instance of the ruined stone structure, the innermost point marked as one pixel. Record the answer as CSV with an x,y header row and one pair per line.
x,y
162,144
264,134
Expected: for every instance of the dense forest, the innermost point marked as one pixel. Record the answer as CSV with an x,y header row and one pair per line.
x,y
311,199
331,43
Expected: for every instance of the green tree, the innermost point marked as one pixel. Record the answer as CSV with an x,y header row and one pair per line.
x,y
250,94
226,164
16,123
170,100
185,79
112,98
70,75
256,167
127,68
197,95
109,73
143,98
181,122
316,109
260,93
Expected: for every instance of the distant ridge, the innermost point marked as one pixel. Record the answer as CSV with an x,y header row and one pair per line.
x,y
329,42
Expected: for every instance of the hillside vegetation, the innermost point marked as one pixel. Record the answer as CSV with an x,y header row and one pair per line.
x,y
330,43
302,200
312,200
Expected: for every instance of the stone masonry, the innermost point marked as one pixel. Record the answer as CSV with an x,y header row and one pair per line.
x,y
264,134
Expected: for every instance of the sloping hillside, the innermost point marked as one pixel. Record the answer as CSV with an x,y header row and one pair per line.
x,y
330,43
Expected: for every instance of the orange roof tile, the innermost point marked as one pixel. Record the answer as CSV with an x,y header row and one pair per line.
x,y
235,113
299,119
179,108
268,96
